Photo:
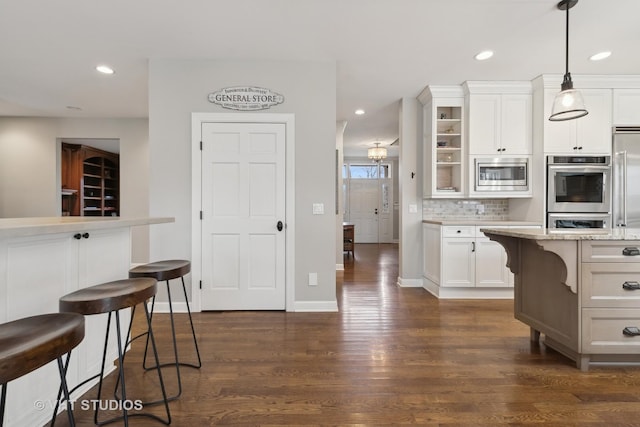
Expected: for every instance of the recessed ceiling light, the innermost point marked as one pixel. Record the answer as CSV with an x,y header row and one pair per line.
x,y
105,69
600,56
485,54
359,112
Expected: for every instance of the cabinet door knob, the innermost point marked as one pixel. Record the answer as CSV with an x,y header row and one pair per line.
x,y
77,236
85,235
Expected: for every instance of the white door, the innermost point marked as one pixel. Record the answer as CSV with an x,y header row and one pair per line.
x,y
243,216
363,209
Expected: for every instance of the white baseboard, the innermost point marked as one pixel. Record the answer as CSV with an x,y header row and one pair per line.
x,y
339,267
409,283
466,293
315,306
163,307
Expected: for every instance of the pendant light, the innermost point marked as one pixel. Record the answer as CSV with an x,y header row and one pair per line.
x,y
377,153
568,104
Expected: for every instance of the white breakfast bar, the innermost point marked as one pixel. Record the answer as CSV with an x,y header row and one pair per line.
x,y
42,259
580,288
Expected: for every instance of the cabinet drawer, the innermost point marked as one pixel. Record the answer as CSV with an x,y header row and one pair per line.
x,y
602,285
609,251
458,231
602,331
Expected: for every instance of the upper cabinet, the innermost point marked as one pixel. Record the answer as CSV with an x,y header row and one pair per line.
x,y
443,141
626,107
499,120
590,134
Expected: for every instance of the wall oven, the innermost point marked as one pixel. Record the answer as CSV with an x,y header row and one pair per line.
x,y
498,174
578,220
578,184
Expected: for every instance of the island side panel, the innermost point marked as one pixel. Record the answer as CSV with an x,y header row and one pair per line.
x,y
542,298
543,301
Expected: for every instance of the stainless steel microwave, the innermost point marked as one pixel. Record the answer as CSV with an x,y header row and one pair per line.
x,y
502,174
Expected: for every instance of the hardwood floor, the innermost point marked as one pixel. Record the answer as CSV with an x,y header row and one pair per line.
x,y
390,356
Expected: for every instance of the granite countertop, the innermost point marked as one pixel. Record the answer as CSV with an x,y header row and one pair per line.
x,y
487,222
17,227
567,234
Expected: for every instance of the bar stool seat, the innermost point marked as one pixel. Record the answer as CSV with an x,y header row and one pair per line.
x,y
30,343
110,298
165,271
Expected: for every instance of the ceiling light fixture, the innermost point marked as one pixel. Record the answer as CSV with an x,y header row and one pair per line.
x,y
359,112
485,54
377,153
600,56
105,69
568,104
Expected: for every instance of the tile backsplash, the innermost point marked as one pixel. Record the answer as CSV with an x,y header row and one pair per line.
x,y
487,209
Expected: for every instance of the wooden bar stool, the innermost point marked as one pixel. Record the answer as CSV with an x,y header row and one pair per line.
x,y
166,271
29,343
110,298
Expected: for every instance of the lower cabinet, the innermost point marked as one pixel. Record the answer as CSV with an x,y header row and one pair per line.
x,y
461,262
36,272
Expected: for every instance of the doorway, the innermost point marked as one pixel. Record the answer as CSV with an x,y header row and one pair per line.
x,y
369,200
243,235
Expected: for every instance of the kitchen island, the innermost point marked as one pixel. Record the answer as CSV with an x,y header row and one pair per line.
x,y
579,288
42,259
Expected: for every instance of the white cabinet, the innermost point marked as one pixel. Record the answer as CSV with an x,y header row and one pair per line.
x,y
499,118
626,107
461,262
491,261
37,271
443,141
590,134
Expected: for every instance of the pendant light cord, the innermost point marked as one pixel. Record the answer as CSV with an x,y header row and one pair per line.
x,y
567,39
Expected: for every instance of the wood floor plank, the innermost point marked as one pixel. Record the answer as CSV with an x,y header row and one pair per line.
x,y
390,356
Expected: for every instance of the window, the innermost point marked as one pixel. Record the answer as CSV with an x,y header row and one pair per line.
x,y
374,171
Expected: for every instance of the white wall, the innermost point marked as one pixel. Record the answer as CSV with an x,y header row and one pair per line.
x,y
29,167
410,249
178,88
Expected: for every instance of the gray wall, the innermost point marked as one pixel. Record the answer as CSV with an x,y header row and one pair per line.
x,y
30,174
178,88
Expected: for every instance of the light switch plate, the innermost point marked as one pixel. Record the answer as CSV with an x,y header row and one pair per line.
x,y
318,208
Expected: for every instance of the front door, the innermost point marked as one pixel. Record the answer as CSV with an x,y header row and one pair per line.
x,y
243,216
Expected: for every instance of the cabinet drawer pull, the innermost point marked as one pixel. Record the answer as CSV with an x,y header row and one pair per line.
x,y
85,235
458,231
631,331
631,286
630,252
77,236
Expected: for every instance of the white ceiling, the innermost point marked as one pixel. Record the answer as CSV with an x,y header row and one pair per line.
x,y
384,49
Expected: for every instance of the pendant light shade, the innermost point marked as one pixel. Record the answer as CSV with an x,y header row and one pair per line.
x,y
377,153
568,104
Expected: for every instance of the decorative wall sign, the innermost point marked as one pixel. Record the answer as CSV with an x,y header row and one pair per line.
x,y
246,98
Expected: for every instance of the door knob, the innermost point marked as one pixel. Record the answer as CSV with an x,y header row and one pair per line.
x,y
279,225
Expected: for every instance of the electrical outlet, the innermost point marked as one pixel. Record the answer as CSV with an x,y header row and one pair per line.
x,y
313,279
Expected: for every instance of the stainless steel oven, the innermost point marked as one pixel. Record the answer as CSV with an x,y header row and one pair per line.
x,y
498,174
578,184
578,220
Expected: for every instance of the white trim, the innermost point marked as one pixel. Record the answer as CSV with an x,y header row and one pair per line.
x,y
163,307
196,195
466,293
339,267
409,283
316,306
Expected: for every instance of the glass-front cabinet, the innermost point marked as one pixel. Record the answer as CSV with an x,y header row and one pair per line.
x,y
443,139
